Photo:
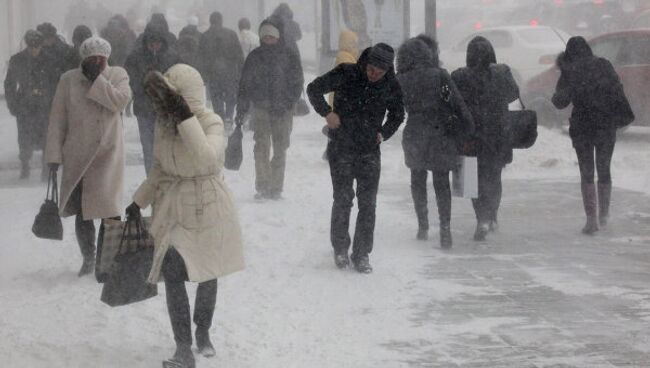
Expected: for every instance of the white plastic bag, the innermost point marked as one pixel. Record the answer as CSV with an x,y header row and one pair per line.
x,y
464,180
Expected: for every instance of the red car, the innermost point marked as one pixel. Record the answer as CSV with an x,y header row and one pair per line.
x,y
628,51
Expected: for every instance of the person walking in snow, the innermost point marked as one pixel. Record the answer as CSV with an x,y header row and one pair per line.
x,y
62,56
271,82
487,88
121,37
431,99
29,88
591,84
222,59
195,227
291,29
363,95
79,35
86,137
247,38
154,53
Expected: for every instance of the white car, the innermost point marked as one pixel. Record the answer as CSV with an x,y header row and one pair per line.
x,y
528,50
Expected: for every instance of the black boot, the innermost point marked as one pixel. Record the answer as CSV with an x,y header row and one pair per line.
x,y
482,229
443,200
589,202
419,194
24,170
206,298
445,236
604,195
85,232
183,358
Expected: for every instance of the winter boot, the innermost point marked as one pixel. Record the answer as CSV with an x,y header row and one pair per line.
x,y
362,265
24,170
482,229
341,260
445,236
204,344
85,232
604,195
589,202
206,299
419,194
423,234
183,358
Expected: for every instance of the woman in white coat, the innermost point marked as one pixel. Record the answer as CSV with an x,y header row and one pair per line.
x,y
195,225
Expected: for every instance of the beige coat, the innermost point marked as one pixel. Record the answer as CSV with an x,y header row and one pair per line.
x,y
85,136
193,210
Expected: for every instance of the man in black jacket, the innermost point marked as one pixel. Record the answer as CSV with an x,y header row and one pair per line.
x,y
29,89
272,83
222,60
363,93
153,54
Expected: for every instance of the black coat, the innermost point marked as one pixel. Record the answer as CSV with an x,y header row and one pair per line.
x,y
122,42
63,57
594,88
427,146
141,61
272,78
291,29
360,104
30,84
221,57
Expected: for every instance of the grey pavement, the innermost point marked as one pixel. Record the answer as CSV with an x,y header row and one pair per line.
x,y
539,293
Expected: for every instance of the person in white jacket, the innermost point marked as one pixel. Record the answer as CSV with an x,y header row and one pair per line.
x,y
195,226
247,38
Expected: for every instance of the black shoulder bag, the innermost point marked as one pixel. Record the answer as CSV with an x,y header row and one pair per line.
x,y
47,224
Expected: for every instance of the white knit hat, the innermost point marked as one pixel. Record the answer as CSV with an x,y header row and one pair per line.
x,y
269,30
95,46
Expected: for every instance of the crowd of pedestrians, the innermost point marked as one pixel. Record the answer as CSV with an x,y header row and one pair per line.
x,y
68,102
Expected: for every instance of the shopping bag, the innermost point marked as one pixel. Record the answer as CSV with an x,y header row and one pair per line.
x,y
127,277
47,223
234,152
464,179
108,244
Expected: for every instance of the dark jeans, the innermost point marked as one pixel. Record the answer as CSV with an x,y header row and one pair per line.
x,y
178,305
486,206
345,168
602,150
223,100
442,189
146,126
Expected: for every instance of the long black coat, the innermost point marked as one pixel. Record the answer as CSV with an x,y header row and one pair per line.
x,y
594,88
360,104
30,84
141,61
221,57
427,146
272,78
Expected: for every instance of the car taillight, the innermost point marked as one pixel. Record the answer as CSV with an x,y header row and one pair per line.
x,y
534,22
478,25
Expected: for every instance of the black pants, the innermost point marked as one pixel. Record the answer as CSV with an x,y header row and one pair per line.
x,y
602,150
345,168
223,99
32,129
84,229
178,305
486,206
443,196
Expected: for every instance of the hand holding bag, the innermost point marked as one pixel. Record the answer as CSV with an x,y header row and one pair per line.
x,y
234,152
127,278
47,224
520,127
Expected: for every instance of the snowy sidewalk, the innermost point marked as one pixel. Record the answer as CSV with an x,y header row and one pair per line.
x,y
536,294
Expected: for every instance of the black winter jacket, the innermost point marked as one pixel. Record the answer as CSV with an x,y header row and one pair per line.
x,y
272,78
360,104
141,61
427,146
221,57
30,83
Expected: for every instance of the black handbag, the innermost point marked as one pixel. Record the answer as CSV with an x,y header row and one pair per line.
x,y
127,278
47,224
520,128
234,153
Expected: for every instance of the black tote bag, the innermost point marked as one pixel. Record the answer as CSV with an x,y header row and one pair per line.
x,y
234,153
520,127
127,278
47,224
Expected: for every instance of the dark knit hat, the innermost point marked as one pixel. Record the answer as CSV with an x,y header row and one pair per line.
x,y
47,29
381,55
33,38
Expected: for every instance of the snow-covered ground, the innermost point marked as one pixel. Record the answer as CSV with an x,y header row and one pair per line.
x,y
290,307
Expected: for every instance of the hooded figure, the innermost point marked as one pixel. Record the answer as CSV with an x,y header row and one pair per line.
x,y
487,88
591,84
62,56
29,88
365,94
195,225
79,35
222,60
153,54
431,100
121,38
291,29
158,20
85,136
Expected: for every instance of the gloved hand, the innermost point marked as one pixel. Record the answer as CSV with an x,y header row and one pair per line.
x,y
53,167
166,99
92,68
133,211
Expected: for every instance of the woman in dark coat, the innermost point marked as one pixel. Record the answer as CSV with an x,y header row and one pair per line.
x,y
430,98
487,88
594,88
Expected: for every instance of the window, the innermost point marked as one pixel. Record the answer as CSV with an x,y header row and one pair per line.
x,y
498,39
607,48
540,36
635,51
